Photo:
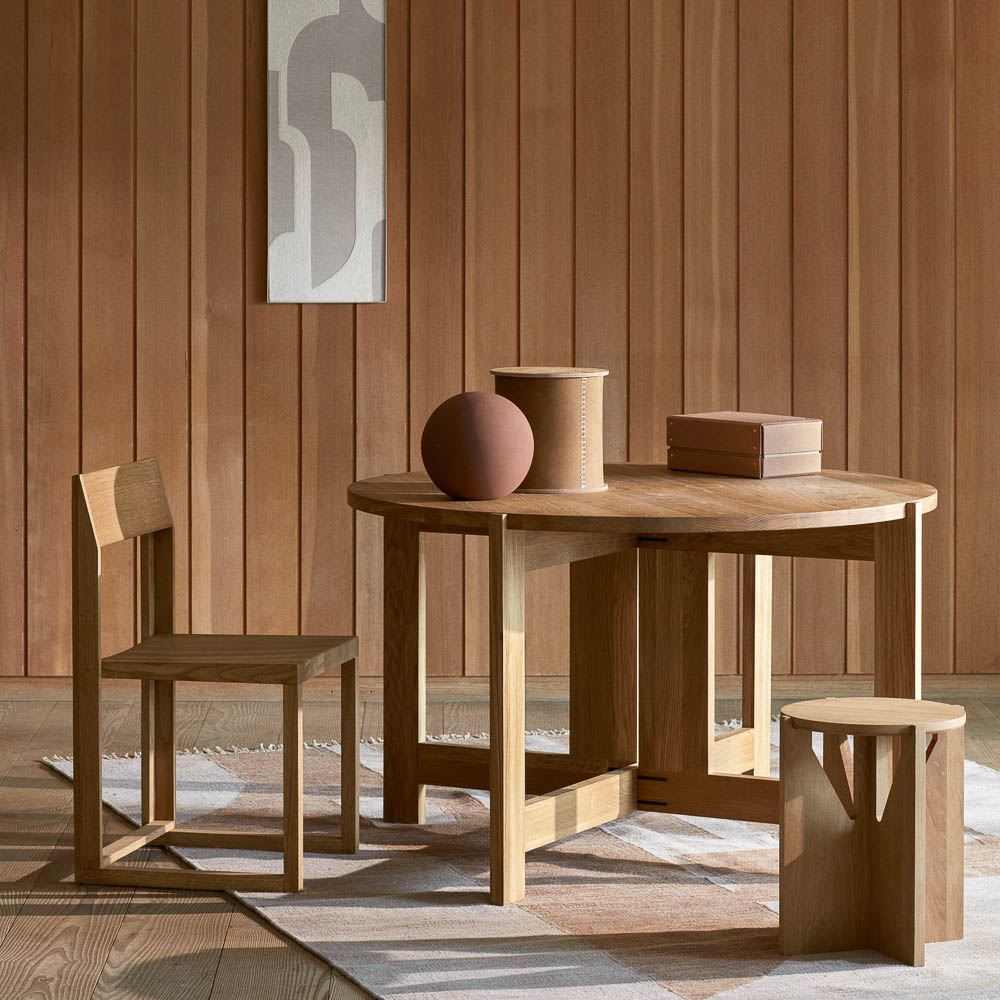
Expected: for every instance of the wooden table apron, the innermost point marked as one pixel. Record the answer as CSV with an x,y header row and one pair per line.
x,y
641,561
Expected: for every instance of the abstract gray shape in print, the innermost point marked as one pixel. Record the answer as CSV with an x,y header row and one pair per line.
x,y
350,43
378,255
280,169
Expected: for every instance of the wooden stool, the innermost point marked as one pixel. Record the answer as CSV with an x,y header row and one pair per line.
x,y
129,502
871,854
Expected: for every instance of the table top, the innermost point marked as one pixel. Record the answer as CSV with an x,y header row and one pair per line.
x,y
655,500
873,716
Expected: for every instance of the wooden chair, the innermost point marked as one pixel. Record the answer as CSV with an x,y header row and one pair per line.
x,y
128,502
871,851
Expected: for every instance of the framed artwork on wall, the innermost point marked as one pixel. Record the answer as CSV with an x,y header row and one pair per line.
x,y
326,151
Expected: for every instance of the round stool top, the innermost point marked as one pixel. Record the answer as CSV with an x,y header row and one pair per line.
x,y
873,716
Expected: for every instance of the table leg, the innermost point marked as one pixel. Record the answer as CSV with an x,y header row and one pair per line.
x,y
897,605
404,668
602,679
757,657
506,712
677,661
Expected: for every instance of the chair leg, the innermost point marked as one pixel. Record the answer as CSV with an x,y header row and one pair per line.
x,y
292,738
148,751
164,798
88,819
349,764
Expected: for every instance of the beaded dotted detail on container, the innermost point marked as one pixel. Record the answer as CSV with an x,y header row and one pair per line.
x,y
583,433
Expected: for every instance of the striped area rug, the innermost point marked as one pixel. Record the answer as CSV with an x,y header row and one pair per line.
x,y
651,906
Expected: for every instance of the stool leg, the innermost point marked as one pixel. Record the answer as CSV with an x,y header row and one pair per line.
x,y
945,836
897,847
292,754
823,881
349,764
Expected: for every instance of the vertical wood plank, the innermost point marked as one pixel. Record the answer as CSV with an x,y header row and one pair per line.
x,y
756,664
291,754
898,605
601,210
819,299
437,178
380,365
711,375
928,300
405,643
945,831
272,400
656,212
977,256
350,772
13,151
217,248
506,712
676,649
602,686
327,456
106,274
53,324
85,589
491,248
162,303
545,276
873,345
765,245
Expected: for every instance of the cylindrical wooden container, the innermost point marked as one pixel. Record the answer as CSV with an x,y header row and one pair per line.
x,y
565,407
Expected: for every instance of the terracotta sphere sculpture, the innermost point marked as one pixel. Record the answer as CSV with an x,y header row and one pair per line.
x,y
477,446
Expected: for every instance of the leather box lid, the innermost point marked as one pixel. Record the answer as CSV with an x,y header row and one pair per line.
x,y
745,433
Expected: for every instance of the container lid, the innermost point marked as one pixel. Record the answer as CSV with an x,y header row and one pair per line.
x,y
550,372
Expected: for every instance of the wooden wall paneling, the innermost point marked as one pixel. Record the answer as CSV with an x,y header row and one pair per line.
x,y
217,261
873,331
711,261
656,227
13,137
977,353
928,300
819,303
52,325
162,249
437,120
272,401
107,204
545,277
381,429
327,469
601,209
491,249
765,241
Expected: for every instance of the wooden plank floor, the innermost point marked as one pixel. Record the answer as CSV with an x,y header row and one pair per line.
x,y
58,940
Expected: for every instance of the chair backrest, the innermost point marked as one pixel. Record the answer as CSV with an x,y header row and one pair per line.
x,y
109,506
126,501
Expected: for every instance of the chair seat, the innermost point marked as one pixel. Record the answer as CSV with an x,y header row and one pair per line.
x,y
873,716
247,659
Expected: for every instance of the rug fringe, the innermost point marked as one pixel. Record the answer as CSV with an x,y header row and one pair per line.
x,y
218,751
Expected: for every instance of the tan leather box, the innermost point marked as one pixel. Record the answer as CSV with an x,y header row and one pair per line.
x,y
755,445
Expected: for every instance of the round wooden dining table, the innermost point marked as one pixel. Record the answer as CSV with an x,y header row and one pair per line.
x,y
641,555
